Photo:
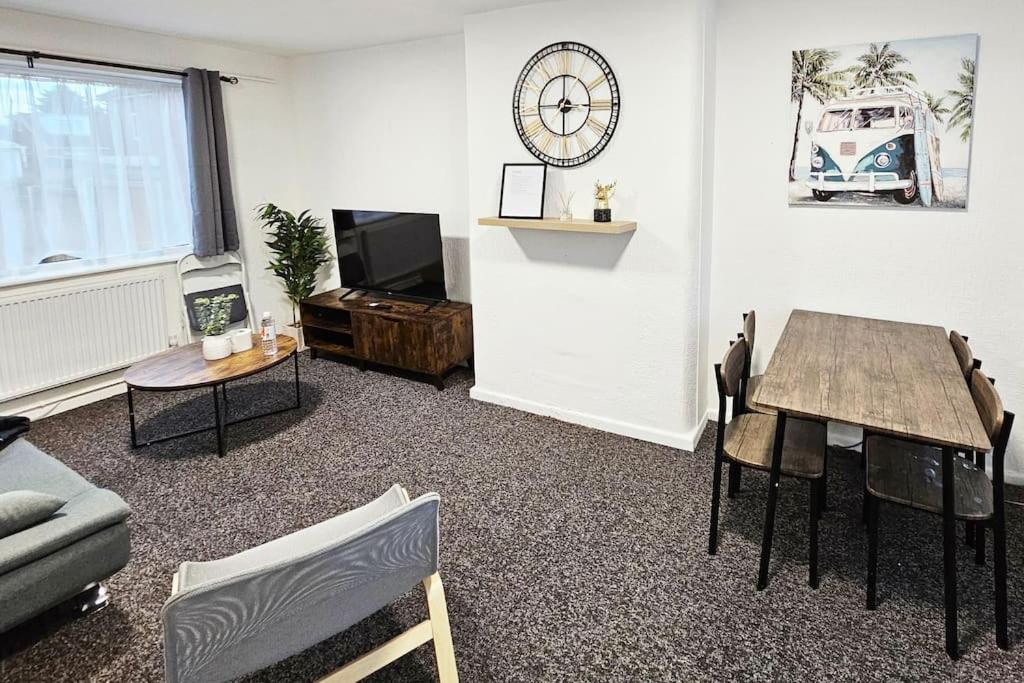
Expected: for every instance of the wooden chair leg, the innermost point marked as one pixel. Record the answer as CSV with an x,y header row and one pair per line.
x,y
872,507
815,515
444,650
716,499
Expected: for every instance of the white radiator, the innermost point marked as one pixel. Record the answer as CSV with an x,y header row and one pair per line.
x,y
49,338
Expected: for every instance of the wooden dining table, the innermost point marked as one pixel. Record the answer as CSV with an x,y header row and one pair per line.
x,y
892,378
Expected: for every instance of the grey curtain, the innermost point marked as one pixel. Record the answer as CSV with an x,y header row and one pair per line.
x,y
214,225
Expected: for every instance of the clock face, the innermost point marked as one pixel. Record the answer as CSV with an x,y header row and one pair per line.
x,y
566,104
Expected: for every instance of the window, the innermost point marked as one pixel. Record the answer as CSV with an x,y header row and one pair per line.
x,y
875,117
92,166
835,119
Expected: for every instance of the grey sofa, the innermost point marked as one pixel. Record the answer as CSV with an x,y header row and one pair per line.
x,y
242,613
84,542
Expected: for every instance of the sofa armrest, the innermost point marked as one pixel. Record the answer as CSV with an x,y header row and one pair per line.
x,y
83,515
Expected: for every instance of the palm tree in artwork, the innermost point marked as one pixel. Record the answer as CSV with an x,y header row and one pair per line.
x,y
813,76
880,65
937,105
963,100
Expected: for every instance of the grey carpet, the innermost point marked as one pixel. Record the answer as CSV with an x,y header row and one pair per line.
x,y
567,553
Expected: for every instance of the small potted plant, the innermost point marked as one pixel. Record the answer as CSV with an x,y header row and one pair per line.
x,y
213,316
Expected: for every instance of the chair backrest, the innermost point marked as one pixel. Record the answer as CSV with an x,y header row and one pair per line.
x,y
749,328
276,600
988,404
211,276
964,355
730,371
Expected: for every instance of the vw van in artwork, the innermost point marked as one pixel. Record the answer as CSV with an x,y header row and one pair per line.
x,y
879,140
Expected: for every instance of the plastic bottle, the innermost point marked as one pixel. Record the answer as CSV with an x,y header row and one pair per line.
x,y
268,335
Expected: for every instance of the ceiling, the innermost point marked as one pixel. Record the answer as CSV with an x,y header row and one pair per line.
x,y
291,27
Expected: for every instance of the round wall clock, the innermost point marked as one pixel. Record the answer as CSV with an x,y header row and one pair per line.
x,y
566,104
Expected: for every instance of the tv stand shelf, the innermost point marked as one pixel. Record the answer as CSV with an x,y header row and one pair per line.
x,y
418,337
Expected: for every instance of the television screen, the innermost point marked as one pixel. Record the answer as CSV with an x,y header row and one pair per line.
x,y
396,253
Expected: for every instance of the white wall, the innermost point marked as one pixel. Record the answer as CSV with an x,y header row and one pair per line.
x,y
961,270
384,128
259,122
596,329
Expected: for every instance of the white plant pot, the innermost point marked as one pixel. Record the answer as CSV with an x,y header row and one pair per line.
x,y
216,346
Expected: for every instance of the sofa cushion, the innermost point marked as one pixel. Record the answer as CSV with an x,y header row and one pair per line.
x,y
21,509
23,466
84,514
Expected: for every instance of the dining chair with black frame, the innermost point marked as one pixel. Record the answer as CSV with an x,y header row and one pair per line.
x,y
748,440
910,474
749,387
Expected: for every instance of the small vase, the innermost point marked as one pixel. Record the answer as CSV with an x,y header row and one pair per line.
x,y
216,346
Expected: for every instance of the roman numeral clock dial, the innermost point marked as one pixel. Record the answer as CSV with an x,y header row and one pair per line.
x,y
566,104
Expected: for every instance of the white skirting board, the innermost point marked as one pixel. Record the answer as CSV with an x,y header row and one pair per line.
x,y
682,440
61,399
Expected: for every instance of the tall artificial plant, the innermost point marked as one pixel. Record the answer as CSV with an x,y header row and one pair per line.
x,y
299,249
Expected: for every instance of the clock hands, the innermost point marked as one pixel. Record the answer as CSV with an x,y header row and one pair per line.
x,y
577,81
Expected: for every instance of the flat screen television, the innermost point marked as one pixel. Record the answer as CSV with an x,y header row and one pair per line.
x,y
392,253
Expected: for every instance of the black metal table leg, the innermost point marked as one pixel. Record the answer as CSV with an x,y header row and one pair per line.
x,y
131,417
219,421
949,543
221,416
872,515
999,554
815,515
979,527
298,391
773,494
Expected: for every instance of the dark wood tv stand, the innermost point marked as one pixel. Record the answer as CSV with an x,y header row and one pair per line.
x,y
409,335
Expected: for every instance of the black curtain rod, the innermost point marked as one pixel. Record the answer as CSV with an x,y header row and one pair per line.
x,y
32,55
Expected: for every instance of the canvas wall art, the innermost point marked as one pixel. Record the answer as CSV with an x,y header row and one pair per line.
x,y
885,124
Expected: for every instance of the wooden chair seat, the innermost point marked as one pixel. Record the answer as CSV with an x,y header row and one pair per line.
x,y
911,474
750,438
753,382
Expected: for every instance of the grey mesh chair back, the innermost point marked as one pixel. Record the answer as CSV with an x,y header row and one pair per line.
x,y
208,277
238,615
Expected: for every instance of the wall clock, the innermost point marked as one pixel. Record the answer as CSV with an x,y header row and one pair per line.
x,y
566,104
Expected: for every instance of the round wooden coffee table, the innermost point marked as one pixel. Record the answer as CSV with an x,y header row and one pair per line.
x,y
185,368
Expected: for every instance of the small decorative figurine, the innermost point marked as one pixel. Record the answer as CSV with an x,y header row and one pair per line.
x,y
602,193
565,198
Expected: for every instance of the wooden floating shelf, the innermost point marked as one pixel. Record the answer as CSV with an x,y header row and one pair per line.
x,y
575,225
